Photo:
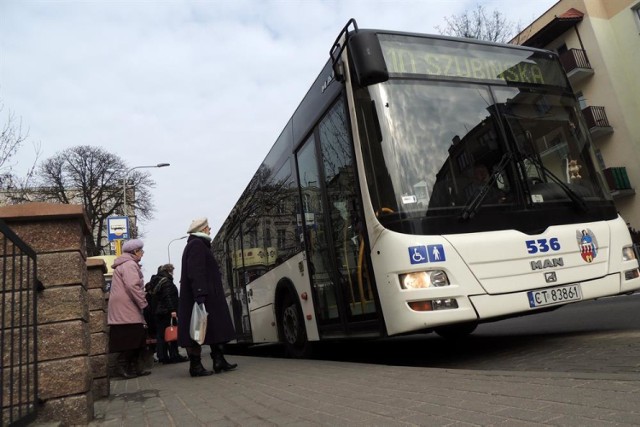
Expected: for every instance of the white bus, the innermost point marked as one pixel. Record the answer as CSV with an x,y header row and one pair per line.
x,y
424,183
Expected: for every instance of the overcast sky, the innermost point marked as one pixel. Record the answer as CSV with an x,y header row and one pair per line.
x,y
204,85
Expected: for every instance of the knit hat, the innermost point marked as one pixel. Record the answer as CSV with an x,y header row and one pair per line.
x,y
166,267
198,224
132,245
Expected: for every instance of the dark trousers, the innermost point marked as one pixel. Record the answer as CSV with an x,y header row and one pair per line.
x,y
129,363
166,351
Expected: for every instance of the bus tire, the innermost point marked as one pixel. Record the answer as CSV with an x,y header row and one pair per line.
x,y
292,330
457,330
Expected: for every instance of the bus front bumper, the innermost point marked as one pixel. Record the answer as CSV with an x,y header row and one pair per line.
x,y
505,305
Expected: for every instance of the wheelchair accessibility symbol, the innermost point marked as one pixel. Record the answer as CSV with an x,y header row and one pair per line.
x,y
418,254
424,254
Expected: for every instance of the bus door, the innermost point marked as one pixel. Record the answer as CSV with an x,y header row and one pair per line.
x,y
239,303
343,289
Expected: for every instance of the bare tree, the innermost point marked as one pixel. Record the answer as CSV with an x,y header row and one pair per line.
x,y
93,177
478,24
12,137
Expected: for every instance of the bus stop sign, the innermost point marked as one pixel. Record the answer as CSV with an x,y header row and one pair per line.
x,y
118,227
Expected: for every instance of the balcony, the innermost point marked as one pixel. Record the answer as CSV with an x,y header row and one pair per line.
x,y
618,182
597,121
576,65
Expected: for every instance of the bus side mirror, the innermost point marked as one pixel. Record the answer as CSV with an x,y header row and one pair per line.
x,y
368,60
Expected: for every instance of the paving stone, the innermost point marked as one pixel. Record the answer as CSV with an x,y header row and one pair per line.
x,y
283,392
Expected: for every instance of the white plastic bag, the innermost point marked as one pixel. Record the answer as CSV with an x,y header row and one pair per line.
x,y
198,328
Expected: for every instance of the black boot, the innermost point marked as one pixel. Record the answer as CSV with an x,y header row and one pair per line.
x,y
219,362
174,355
127,374
196,369
124,366
140,372
135,364
178,359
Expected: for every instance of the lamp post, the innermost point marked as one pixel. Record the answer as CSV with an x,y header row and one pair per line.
x,y
174,240
124,183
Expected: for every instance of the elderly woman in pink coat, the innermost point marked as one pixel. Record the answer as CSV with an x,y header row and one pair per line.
x,y
127,328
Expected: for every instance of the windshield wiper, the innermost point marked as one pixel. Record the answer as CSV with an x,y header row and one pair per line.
x,y
470,210
577,200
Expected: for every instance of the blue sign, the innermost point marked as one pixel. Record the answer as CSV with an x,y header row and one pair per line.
x,y
425,254
436,253
418,254
117,228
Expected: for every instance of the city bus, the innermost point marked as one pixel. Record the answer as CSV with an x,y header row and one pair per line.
x,y
423,184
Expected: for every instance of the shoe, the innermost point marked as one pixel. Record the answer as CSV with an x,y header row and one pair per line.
x,y
137,370
124,367
126,374
178,359
196,369
220,364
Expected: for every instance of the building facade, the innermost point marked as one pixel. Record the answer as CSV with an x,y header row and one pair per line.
x,y
598,42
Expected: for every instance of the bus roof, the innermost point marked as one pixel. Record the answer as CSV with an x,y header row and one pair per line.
x,y
108,260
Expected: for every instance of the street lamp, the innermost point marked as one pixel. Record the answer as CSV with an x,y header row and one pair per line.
x,y
174,240
124,183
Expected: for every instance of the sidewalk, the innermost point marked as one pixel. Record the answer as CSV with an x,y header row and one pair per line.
x,y
285,392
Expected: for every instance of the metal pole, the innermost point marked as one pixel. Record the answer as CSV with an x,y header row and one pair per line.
x,y
124,183
124,193
174,240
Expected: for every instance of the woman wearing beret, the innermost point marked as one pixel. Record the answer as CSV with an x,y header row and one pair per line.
x,y
200,282
127,299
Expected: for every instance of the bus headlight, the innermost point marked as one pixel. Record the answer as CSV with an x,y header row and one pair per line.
x,y
628,254
424,279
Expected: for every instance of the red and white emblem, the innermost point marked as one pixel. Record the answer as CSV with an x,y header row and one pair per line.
x,y
587,243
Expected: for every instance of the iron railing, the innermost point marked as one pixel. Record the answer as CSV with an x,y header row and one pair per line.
x,y
18,333
595,117
574,58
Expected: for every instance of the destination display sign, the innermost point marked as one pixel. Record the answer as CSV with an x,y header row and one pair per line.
x,y
445,58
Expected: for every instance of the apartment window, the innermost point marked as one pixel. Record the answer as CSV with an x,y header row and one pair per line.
x,y
636,13
463,160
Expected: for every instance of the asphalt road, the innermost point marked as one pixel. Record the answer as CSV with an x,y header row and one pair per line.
x,y
594,336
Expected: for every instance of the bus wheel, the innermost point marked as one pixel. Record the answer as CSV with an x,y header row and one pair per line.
x,y
458,330
292,330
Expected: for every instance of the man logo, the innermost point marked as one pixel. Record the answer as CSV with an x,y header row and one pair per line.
x,y
547,263
550,277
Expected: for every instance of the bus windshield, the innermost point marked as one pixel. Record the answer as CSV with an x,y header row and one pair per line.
x,y
441,140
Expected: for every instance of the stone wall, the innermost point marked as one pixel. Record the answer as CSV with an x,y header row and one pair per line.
x,y
70,360
99,354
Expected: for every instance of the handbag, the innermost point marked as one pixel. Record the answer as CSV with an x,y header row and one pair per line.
x,y
171,332
198,327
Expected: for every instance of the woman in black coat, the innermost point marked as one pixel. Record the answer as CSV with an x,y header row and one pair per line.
x,y
164,301
201,283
